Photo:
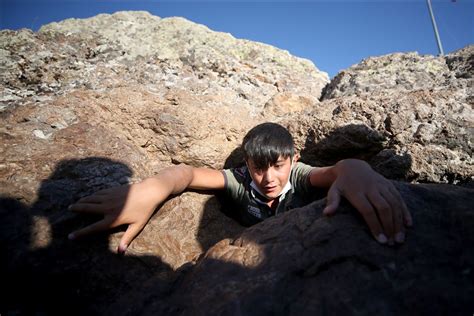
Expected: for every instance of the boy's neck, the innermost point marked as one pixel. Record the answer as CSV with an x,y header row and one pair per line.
x,y
273,204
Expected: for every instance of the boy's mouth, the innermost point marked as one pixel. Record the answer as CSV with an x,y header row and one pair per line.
x,y
269,189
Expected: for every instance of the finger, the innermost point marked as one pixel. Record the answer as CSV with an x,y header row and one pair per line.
x,y
384,212
397,214
362,204
89,208
407,218
333,200
91,229
132,231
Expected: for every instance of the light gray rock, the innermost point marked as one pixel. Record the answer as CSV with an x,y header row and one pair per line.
x,y
136,47
110,100
404,72
419,136
412,117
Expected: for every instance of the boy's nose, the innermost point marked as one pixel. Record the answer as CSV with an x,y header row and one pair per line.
x,y
268,175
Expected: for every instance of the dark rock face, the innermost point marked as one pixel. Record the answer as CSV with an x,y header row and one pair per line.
x,y
42,272
303,263
85,105
298,263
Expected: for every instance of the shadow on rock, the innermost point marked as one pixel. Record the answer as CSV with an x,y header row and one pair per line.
x,y
216,225
45,273
303,263
299,262
356,141
235,159
349,141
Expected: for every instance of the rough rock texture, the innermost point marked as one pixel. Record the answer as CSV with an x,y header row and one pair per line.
x,y
45,273
303,263
160,54
411,116
416,136
405,72
97,103
148,77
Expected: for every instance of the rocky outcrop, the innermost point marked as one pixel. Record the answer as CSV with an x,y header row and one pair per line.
x,y
413,117
417,136
110,100
148,77
303,263
45,273
406,72
110,51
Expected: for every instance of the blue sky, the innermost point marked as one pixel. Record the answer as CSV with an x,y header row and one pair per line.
x,y
333,34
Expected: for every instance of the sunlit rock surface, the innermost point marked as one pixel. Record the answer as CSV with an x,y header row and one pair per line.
x,y
110,100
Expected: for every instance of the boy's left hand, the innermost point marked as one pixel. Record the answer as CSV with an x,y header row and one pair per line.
x,y
375,197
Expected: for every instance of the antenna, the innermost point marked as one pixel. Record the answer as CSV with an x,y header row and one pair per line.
x,y
435,28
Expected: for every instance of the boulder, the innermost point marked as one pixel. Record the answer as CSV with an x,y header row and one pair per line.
x,y
304,263
404,72
411,117
417,136
88,104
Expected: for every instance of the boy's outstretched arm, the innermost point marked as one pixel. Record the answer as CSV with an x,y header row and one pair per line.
x,y
375,197
134,204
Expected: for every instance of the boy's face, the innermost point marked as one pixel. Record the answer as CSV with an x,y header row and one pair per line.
x,y
271,180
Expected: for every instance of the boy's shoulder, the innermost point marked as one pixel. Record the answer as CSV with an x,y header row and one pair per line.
x,y
240,177
300,172
241,172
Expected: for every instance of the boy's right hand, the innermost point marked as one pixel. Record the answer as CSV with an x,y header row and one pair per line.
x,y
131,204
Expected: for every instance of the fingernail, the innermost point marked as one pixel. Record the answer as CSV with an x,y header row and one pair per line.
x,y
400,237
382,239
71,236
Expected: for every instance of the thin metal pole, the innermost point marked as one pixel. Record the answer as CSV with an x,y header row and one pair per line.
x,y
440,47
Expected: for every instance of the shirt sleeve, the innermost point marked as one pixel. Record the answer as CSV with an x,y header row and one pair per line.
x,y
300,177
234,184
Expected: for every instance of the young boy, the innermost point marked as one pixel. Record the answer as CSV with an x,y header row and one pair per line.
x,y
271,182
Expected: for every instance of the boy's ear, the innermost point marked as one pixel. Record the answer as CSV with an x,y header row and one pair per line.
x,y
296,157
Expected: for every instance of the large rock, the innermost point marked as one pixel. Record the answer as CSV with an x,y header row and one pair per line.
x,y
298,263
403,72
45,273
146,78
96,103
303,263
417,136
135,47
410,116
106,101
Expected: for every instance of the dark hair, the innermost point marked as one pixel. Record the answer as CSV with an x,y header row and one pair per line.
x,y
265,143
